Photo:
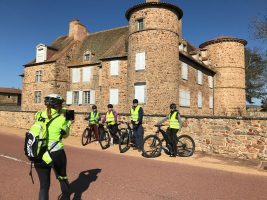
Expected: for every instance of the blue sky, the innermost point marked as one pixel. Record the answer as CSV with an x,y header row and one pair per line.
x,y
24,24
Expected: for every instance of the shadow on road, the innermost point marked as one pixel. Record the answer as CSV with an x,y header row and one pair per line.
x,y
82,183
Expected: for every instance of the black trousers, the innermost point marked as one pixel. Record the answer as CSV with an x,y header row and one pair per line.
x,y
170,137
113,130
138,135
60,167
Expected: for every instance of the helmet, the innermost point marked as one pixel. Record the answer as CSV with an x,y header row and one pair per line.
x,y
94,107
110,106
173,106
135,101
53,99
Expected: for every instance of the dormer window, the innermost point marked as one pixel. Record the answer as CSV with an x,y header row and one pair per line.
x,y
41,53
87,56
140,24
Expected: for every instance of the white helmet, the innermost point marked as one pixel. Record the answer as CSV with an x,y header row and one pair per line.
x,y
53,99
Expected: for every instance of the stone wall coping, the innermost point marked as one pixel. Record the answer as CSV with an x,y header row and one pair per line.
x,y
164,115
223,39
176,9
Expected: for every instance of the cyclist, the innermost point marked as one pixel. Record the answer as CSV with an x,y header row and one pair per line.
x,y
58,129
175,122
111,118
137,114
94,118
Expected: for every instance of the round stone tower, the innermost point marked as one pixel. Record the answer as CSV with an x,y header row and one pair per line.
x,y
227,56
153,43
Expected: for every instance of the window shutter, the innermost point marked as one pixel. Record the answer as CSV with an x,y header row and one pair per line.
x,y
211,102
199,77
86,74
69,98
140,61
80,97
114,67
140,93
199,100
75,75
92,96
210,81
114,96
184,71
184,98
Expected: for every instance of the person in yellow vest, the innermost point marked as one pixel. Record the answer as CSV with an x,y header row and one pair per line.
x,y
94,118
175,123
54,156
111,118
137,114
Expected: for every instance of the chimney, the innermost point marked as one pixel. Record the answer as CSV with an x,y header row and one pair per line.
x,y
148,1
77,30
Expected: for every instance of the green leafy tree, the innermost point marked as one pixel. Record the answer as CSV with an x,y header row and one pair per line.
x,y
256,75
258,27
264,104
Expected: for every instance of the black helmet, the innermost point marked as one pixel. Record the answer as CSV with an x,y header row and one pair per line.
x,y
110,106
53,99
135,101
94,107
173,106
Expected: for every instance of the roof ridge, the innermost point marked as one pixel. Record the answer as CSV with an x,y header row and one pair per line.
x,y
121,27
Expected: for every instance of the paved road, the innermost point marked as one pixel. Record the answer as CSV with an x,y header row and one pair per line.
x,y
102,175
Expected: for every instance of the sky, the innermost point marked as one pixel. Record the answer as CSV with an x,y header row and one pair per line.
x,y
26,23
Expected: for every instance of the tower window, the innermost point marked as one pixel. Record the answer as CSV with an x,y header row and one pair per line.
x,y
38,76
140,24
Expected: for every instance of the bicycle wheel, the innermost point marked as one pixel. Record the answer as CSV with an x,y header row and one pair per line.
x,y
185,146
152,146
86,136
104,139
124,141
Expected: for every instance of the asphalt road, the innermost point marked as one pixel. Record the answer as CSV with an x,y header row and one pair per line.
x,y
102,175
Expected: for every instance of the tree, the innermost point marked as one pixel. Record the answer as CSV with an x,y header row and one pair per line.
x,y
264,104
259,28
256,75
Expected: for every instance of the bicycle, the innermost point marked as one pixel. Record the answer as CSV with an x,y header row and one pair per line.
x,y
105,135
88,136
153,145
126,138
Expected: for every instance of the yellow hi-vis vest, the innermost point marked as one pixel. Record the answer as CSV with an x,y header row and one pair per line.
x,y
174,123
134,113
93,118
110,118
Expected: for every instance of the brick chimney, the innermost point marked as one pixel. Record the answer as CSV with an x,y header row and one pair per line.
x,y
77,30
148,1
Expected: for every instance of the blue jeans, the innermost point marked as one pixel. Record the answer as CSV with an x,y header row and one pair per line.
x,y
138,134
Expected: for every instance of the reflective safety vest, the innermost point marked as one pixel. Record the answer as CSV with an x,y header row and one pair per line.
x,y
174,123
93,118
110,118
135,113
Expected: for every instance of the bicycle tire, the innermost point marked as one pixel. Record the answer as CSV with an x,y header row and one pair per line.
x,y
185,146
85,137
124,140
104,139
152,146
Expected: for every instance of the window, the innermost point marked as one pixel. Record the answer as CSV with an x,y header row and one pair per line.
x,y
211,102
199,100
86,97
140,61
140,92
184,71
87,56
69,98
184,98
38,76
75,98
199,77
114,68
75,75
114,96
210,81
41,53
86,74
37,96
140,24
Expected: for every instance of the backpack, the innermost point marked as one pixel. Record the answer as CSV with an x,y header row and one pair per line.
x,y
36,138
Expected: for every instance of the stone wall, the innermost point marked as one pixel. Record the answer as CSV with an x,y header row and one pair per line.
x,y
236,137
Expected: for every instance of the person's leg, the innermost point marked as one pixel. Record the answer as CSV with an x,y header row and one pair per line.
x,y
44,178
173,141
60,168
95,130
167,138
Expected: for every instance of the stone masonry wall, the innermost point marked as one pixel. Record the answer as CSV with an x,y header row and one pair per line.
x,y
236,137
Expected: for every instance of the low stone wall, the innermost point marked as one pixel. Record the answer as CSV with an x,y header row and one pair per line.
x,y
236,137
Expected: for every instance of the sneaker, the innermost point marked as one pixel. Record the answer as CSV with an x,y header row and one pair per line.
x,y
96,143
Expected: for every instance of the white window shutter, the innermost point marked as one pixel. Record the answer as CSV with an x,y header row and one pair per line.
x,y
184,71
184,98
211,102
140,61
199,77
137,61
199,100
75,75
92,96
86,74
80,97
210,81
114,67
140,93
69,98
114,96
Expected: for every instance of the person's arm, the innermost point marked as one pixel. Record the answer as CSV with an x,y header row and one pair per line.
x,y
180,119
140,116
163,120
65,129
104,119
115,116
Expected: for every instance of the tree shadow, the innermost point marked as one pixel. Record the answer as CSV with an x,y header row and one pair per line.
x,y
82,183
